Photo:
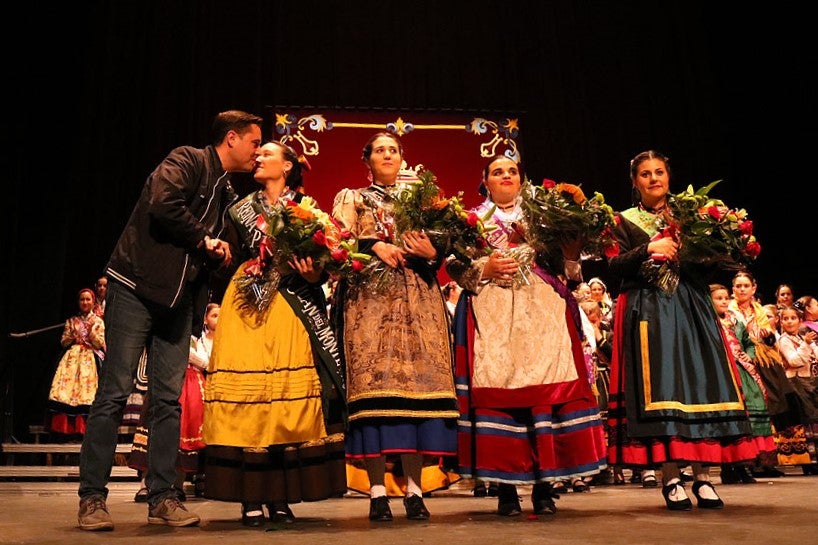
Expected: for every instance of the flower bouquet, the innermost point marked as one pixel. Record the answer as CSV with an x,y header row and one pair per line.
x,y
555,214
422,206
709,230
295,229
709,233
657,270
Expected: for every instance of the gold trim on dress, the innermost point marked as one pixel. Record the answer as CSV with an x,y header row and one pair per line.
x,y
651,405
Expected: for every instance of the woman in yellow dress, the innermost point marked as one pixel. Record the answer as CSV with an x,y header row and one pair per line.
x,y
273,420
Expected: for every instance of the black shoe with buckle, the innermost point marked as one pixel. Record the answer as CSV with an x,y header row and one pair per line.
x,y
480,490
415,510
280,513
252,515
141,495
379,510
542,496
508,501
704,503
676,505
649,481
580,486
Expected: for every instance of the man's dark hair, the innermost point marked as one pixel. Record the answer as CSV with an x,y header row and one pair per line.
x,y
233,120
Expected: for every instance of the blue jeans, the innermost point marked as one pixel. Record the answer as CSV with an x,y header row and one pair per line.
x,y
132,323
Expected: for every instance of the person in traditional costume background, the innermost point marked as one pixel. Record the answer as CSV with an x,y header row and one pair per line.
x,y
528,414
743,350
75,381
674,396
401,395
798,346
273,417
784,403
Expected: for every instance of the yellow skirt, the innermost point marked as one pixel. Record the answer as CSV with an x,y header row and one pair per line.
x,y
262,386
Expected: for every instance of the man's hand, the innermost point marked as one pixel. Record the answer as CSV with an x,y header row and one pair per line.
x,y
218,249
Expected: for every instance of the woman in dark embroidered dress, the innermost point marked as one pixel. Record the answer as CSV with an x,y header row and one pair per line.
x,y
674,392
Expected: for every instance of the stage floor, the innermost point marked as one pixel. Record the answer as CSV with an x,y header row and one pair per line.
x,y
780,510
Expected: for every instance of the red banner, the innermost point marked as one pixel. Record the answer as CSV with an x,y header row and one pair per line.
x,y
455,146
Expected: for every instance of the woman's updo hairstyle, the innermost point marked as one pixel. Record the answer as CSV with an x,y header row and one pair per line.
x,y
295,176
482,187
367,152
644,156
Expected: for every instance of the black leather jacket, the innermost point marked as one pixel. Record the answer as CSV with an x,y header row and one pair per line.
x,y
183,200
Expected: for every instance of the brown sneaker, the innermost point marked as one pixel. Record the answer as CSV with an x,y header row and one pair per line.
x,y
94,514
171,512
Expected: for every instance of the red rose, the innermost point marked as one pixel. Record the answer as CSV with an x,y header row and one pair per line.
x,y
746,227
357,265
340,254
753,249
472,219
346,234
715,211
548,184
320,238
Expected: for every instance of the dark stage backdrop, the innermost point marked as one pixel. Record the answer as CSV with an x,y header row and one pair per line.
x,y
96,94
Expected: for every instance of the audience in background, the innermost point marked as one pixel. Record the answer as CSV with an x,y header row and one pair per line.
x,y
101,293
784,296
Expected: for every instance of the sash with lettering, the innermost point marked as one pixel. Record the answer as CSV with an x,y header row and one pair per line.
x,y
252,290
308,303
244,214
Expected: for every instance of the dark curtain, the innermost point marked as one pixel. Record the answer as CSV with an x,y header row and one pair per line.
x,y
98,93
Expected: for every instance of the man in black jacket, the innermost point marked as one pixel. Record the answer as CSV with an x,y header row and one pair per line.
x,y
158,276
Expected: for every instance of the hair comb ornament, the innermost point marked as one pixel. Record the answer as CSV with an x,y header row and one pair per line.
x,y
305,165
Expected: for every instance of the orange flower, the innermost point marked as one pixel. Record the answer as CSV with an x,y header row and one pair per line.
x,y
300,213
557,213
440,203
573,190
